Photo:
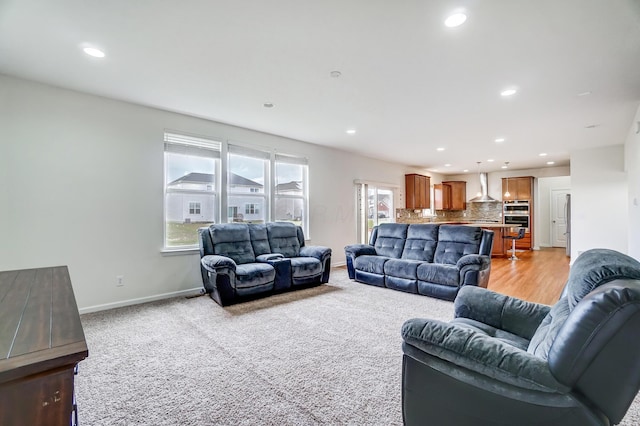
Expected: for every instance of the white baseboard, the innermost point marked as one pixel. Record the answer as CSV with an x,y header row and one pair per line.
x,y
129,302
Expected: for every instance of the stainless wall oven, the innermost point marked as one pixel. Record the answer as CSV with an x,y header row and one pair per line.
x,y
516,213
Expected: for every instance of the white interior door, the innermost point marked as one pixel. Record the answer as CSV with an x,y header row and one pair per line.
x,y
559,217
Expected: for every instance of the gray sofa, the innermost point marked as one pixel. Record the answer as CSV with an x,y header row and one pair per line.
x,y
513,362
429,259
239,261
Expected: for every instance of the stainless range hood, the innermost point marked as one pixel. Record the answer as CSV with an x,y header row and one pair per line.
x,y
484,194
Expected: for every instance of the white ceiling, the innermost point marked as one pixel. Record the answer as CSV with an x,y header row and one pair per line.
x,y
408,83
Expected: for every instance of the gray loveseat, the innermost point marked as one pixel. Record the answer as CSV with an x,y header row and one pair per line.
x,y
513,362
240,261
428,259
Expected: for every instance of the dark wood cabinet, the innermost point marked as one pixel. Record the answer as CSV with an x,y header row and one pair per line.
x,y
41,343
458,194
520,188
450,195
417,191
441,196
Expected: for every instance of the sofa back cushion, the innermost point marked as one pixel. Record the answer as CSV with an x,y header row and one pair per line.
x,y
455,241
421,242
259,238
232,240
283,238
390,239
591,269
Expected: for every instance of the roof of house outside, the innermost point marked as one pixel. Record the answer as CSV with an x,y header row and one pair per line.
x,y
207,178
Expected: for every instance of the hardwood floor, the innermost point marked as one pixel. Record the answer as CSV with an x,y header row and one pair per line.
x,y
538,277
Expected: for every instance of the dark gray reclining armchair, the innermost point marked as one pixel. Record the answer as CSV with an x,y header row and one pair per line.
x,y
504,361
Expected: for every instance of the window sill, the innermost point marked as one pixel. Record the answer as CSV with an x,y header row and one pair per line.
x,y
179,251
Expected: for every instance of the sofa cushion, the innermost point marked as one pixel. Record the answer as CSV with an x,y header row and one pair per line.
x,y
390,239
401,268
421,242
488,330
305,267
439,273
254,274
259,239
373,264
454,241
283,238
232,240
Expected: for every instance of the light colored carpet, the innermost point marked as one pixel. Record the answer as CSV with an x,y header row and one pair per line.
x,y
329,355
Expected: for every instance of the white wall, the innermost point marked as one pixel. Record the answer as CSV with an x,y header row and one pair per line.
x,y
81,184
599,196
632,166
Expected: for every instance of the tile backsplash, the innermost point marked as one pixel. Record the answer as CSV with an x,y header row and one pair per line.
x,y
489,212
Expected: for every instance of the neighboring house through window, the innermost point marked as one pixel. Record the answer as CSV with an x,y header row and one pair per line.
x,y
191,192
247,195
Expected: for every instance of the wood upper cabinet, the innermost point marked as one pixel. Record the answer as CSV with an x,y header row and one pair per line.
x,y
441,196
458,194
450,195
417,189
520,188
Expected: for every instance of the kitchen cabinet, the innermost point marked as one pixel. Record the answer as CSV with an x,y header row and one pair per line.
x,y
417,191
520,188
450,195
458,194
441,196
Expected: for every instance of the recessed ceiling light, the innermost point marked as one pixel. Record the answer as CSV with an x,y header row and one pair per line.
x,y
351,131
447,165
587,93
465,170
503,167
440,149
508,92
551,162
543,154
455,20
499,140
268,105
92,51
490,160
335,74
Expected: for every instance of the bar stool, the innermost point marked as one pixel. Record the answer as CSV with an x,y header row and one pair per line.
x,y
513,239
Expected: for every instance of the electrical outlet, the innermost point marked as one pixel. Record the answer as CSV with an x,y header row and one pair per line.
x,y
119,280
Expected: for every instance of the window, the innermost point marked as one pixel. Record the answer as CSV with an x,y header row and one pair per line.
x,y
247,184
191,184
194,208
291,193
252,209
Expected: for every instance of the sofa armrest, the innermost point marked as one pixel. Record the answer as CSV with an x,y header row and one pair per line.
x,y
265,258
480,353
497,310
319,252
474,261
213,263
355,250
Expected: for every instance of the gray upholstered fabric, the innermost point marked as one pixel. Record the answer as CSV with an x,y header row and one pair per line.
x,y
421,242
319,252
213,262
454,241
253,274
305,267
390,240
283,238
372,264
268,257
355,250
499,311
465,347
590,270
497,333
232,240
401,268
259,239
439,273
